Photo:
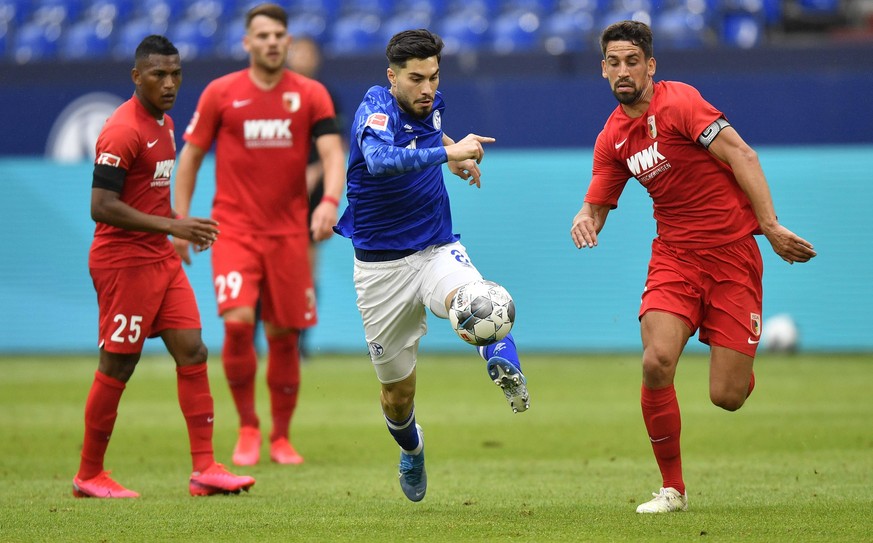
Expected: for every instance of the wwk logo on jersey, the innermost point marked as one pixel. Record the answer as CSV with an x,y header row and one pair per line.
x,y
267,133
108,159
648,162
163,172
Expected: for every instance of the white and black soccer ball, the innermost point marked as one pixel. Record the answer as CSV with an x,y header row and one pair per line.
x,y
779,334
482,313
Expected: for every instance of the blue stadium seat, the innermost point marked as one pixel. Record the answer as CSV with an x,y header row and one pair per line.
x,y
463,31
5,38
194,38
566,32
515,32
132,32
36,42
404,21
313,24
166,10
229,44
611,17
56,11
116,10
679,28
330,9
743,30
15,12
355,35
86,40
380,8
488,8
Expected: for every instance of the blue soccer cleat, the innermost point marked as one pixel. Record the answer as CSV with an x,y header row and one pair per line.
x,y
510,379
413,477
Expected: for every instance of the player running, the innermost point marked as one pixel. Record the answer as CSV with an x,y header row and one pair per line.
x,y
710,197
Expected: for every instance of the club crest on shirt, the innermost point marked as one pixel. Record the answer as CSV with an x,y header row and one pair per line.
x,y
437,120
756,323
653,130
108,159
291,101
377,121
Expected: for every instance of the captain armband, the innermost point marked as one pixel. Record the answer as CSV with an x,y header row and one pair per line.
x,y
108,177
708,135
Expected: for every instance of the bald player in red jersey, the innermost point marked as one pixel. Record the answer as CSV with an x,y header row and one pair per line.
x,y
710,198
142,291
263,120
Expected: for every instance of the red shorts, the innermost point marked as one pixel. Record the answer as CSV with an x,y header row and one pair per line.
x,y
273,269
142,301
718,291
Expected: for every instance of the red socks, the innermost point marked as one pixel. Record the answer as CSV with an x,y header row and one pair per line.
x,y
101,410
240,363
196,403
283,379
664,424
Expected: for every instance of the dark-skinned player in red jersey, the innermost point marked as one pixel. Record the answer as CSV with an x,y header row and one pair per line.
x,y
710,198
142,291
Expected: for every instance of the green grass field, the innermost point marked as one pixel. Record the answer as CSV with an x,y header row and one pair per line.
x,y
795,464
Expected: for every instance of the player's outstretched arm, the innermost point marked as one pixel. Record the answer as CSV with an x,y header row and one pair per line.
x,y
466,168
468,148
587,224
107,207
743,160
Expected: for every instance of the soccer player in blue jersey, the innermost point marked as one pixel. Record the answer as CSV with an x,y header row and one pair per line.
x,y
407,258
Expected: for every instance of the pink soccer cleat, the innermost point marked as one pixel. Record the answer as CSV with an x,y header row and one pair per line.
x,y
247,451
101,486
217,480
282,452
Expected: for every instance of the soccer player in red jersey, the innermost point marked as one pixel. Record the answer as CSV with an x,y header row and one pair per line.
x,y
263,120
710,197
142,291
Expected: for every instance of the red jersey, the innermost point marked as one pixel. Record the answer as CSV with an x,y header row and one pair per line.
x,y
697,200
263,139
145,148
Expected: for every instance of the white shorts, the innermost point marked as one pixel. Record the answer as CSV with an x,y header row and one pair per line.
x,y
393,295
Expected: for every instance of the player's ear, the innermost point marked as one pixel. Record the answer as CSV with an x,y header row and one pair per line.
x,y
652,65
135,76
603,69
392,77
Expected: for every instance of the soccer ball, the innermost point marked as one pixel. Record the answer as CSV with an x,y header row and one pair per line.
x,y
482,313
779,334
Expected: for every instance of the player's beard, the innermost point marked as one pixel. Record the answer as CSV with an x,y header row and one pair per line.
x,y
627,98
412,109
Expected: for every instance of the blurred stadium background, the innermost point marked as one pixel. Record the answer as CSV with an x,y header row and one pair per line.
x,y
793,76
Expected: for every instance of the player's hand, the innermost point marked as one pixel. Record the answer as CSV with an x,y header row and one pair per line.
x,y
584,230
789,246
182,249
469,147
324,218
201,232
466,170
